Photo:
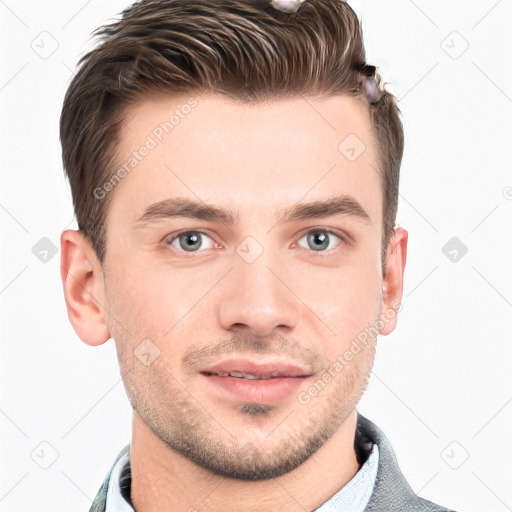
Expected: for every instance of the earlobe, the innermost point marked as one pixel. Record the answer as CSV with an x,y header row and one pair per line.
x,y
393,283
84,288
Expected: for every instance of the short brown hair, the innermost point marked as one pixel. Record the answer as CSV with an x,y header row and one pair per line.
x,y
245,50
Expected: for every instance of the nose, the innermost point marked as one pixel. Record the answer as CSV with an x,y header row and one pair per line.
x,y
256,298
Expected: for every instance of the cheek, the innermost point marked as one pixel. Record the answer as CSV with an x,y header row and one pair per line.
x,y
347,299
131,295
154,301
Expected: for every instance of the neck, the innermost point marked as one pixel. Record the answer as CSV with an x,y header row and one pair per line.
x,y
163,479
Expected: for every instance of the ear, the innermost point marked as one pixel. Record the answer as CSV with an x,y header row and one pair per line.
x,y
393,281
84,289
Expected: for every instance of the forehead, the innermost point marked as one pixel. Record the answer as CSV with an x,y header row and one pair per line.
x,y
256,157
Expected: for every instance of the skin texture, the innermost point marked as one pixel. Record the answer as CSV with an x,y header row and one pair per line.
x,y
194,446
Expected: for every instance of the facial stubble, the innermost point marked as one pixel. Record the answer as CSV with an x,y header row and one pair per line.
x,y
201,434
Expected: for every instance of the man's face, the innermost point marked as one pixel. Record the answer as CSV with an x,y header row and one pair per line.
x,y
264,288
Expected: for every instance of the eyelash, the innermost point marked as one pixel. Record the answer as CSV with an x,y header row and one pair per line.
x,y
343,239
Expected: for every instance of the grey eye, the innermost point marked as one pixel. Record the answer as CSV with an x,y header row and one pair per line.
x,y
319,240
191,241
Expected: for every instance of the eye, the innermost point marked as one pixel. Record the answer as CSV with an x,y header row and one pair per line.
x,y
191,241
319,240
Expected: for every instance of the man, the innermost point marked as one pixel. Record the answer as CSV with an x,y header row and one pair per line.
x,y
234,169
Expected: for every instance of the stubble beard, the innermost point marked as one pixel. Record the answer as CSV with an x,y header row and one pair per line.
x,y
201,435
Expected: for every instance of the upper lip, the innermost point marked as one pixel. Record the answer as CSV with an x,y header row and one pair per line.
x,y
262,369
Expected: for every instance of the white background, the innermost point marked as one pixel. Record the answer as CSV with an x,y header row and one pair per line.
x,y
442,384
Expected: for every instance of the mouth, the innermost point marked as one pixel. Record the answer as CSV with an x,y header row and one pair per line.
x,y
254,369
255,381
243,375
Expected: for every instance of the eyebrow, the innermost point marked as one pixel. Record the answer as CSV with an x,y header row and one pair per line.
x,y
184,207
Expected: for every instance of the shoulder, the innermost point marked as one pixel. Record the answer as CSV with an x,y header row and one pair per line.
x,y
392,492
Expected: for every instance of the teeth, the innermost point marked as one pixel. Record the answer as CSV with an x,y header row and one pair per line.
x,y
243,375
248,376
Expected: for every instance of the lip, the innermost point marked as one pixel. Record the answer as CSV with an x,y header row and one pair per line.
x,y
277,379
263,369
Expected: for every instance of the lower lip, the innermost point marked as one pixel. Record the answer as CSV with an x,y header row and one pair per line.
x,y
257,390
